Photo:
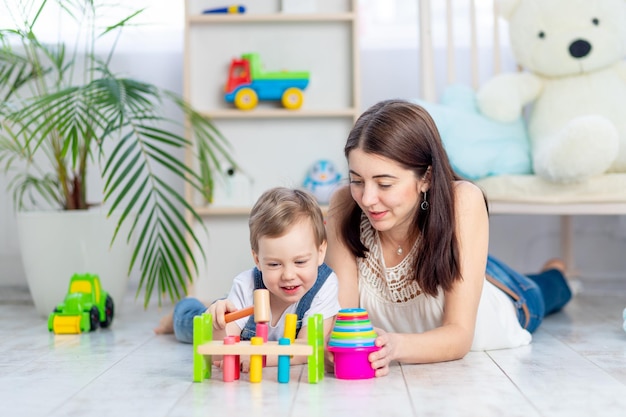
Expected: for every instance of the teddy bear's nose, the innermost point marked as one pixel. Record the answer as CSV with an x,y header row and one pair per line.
x,y
579,48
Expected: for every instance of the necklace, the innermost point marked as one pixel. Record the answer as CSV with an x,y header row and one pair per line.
x,y
399,251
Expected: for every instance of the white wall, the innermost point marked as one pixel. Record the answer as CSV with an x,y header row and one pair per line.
x,y
524,241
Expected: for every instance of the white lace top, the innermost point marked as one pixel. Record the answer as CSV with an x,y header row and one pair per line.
x,y
395,303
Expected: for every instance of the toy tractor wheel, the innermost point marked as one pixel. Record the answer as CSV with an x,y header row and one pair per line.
x,y
292,98
94,318
246,99
109,309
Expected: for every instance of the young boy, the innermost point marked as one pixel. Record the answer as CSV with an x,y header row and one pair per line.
x,y
288,242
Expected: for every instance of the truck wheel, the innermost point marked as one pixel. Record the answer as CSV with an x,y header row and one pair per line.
x,y
246,99
109,309
94,318
292,98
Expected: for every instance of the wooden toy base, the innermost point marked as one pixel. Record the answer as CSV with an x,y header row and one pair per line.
x,y
245,348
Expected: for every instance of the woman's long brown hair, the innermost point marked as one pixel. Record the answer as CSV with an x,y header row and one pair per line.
x,y
404,132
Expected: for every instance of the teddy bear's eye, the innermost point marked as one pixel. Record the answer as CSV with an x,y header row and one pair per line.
x,y
541,34
595,21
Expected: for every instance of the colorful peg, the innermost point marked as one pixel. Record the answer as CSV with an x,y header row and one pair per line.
x,y
229,363
237,359
256,361
283,362
262,331
290,326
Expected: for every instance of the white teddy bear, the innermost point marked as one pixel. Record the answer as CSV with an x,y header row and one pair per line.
x,y
575,77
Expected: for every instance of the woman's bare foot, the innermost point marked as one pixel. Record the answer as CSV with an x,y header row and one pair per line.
x,y
166,325
555,263
558,264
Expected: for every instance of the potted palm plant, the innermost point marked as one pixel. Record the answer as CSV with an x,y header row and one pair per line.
x,y
65,115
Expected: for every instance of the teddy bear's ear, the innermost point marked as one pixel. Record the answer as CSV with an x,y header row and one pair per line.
x,y
506,7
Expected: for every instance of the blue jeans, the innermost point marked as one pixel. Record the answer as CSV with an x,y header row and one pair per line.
x,y
184,312
534,296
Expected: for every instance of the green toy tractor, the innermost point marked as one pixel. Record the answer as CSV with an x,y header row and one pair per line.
x,y
86,306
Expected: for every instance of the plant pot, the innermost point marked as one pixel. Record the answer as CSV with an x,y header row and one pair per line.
x,y
57,244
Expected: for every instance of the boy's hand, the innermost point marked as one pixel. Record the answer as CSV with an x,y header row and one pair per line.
x,y
218,309
244,365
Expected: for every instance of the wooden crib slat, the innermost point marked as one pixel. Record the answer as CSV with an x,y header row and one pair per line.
x,y
426,52
497,58
450,46
474,45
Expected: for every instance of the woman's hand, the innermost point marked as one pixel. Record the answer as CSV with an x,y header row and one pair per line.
x,y
387,342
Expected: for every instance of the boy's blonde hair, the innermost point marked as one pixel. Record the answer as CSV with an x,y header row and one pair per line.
x,y
280,208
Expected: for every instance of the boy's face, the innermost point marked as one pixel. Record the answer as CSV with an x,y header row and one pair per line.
x,y
289,264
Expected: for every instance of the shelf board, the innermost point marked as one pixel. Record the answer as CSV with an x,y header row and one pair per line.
x,y
279,113
222,211
277,17
213,211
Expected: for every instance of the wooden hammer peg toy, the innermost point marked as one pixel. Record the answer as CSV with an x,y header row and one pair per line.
x,y
236,315
261,306
260,309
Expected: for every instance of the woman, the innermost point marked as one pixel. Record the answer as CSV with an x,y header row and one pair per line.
x,y
408,240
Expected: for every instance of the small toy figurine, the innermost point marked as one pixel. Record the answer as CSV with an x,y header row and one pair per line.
x,y
86,306
321,180
234,9
248,83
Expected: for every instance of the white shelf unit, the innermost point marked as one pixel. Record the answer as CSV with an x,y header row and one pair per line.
x,y
273,146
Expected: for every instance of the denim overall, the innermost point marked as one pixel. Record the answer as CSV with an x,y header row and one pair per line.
x,y
323,271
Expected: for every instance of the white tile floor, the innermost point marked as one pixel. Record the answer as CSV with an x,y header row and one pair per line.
x,y
576,366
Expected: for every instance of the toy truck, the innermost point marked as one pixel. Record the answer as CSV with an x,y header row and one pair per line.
x,y
86,306
248,83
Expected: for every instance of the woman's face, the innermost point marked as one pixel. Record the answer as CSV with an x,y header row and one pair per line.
x,y
388,193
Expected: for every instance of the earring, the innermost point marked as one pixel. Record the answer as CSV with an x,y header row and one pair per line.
x,y
424,205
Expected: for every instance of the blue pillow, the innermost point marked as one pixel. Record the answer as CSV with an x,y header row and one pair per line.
x,y
477,145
